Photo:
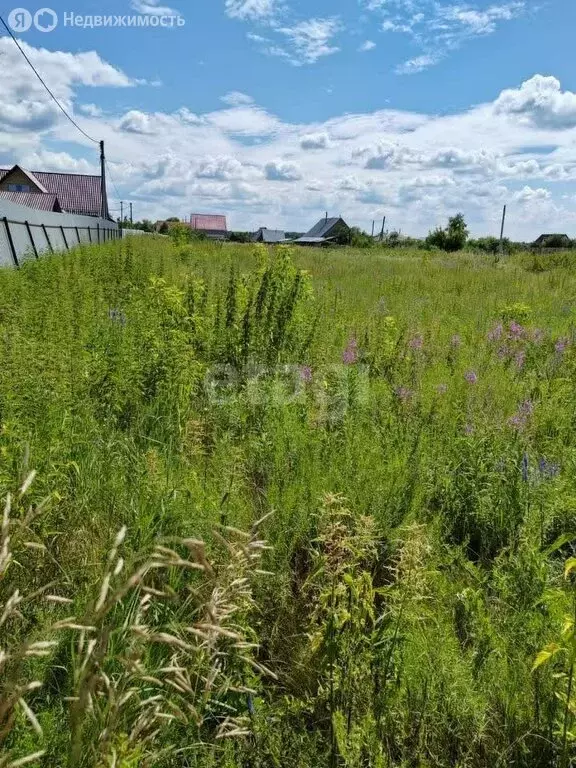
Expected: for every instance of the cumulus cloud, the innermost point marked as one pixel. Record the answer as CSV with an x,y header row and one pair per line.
x,y
282,171
540,101
137,122
222,168
367,45
25,104
530,195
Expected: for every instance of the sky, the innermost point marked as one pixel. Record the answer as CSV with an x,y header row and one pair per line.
x,y
275,111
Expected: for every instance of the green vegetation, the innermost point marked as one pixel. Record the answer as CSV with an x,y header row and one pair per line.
x,y
451,239
397,426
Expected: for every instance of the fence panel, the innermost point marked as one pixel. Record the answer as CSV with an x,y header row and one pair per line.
x,y
42,245
47,231
84,234
6,259
21,241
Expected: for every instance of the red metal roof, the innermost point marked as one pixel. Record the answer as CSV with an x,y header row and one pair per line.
x,y
37,200
208,222
76,193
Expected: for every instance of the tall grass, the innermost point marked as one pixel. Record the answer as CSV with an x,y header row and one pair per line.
x,y
288,509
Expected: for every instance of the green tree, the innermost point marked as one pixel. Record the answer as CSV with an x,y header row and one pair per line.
x,y
453,238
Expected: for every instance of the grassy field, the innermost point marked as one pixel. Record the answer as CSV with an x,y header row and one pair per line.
x,y
289,509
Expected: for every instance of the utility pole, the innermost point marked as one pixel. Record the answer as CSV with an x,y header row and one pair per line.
x,y
373,225
131,217
383,225
104,199
121,213
502,231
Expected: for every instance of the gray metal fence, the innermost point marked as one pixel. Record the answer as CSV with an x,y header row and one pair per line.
x,y
28,233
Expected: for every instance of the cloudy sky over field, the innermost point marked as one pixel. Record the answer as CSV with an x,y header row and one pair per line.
x,y
274,111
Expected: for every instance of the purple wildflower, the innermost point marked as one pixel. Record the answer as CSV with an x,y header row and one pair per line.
x,y
516,330
548,469
417,343
520,359
538,336
496,333
471,377
520,420
350,355
503,353
306,374
561,345
404,394
468,430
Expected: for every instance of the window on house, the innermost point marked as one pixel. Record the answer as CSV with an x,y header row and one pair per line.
x,y
19,188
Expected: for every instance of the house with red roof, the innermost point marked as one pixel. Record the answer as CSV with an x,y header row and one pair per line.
x,y
214,226
60,192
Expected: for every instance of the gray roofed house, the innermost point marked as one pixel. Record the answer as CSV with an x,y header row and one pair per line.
x,y
326,231
269,236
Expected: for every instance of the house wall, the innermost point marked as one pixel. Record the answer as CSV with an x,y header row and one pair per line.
x,y
17,178
47,232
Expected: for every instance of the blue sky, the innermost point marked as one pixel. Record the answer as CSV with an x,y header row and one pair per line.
x,y
272,111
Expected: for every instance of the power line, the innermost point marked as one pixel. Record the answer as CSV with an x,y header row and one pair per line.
x,y
60,107
112,180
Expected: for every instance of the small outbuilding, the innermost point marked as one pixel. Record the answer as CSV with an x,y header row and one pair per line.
x,y
327,231
269,236
213,226
553,241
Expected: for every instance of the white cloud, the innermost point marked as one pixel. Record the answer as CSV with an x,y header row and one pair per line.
x,y
251,9
540,101
366,46
222,168
153,8
91,109
237,99
438,29
530,195
137,122
25,104
418,64
311,39
282,171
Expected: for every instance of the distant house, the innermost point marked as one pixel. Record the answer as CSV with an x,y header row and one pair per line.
x,y
60,192
327,231
214,227
553,241
269,236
